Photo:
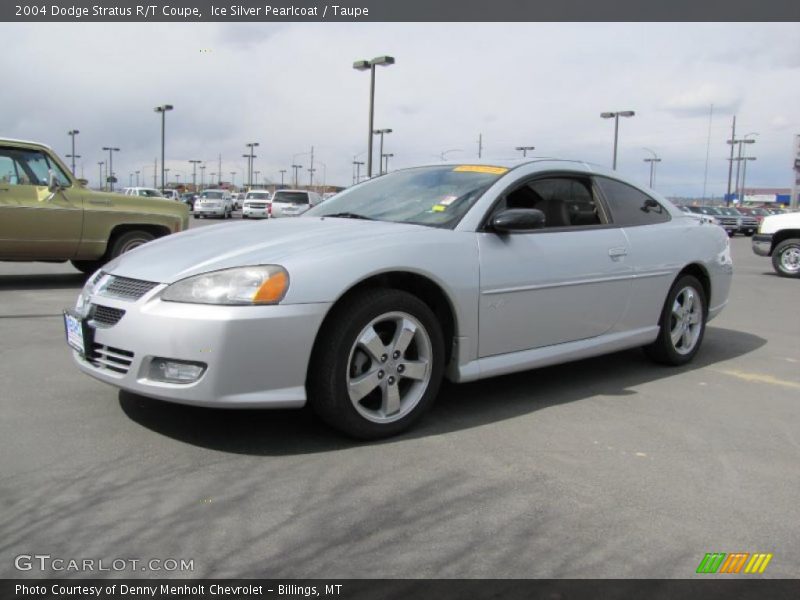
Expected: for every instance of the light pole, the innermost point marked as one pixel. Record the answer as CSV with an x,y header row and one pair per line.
x,y
387,157
363,65
251,145
72,133
652,162
741,141
296,169
257,173
130,179
194,164
163,110
211,176
616,116
165,177
524,150
111,166
358,164
381,133
233,179
744,175
282,172
137,178
100,165
202,176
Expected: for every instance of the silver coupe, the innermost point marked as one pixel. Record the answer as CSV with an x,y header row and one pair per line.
x,y
361,306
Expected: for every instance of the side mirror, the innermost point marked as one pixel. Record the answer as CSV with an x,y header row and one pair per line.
x,y
52,183
518,220
650,204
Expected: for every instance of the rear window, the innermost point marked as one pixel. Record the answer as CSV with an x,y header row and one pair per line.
x,y
214,195
257,196
291,197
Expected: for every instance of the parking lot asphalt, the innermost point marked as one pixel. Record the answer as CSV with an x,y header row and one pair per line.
x,y
608,467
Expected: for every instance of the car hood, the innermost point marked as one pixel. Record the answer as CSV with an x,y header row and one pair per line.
x,y
217,247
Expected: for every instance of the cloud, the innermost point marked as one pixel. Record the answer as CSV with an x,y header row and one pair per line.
x,y
696,102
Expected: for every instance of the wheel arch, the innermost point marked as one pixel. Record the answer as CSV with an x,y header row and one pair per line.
x,y
783,235
417,284
699,271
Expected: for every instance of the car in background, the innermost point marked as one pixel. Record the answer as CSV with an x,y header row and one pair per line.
x,y
747,223
236,198
362,305
213,203
292,203
144,192
47,214
757,212
256,205
172,195
779,238
728,223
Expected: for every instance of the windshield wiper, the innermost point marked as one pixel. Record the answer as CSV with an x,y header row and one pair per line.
x,y
350,215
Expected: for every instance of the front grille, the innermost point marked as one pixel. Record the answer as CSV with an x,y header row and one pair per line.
x,y
112,359
105,316
126,288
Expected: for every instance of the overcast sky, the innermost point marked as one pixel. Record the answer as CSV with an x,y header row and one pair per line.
x,y
291,86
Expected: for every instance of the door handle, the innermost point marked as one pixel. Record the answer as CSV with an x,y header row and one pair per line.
x,y
618,252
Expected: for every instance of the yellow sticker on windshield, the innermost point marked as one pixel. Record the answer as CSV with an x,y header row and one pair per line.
x,y
480,169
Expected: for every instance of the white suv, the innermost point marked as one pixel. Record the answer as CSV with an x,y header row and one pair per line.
x,y
256,204
214,203
142,191
291,203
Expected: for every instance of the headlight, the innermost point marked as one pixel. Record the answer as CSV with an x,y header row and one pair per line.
x,y
265,284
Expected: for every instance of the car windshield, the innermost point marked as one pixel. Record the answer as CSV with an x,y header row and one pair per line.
x,y
730,212
291,197
706,210
212,195
437,196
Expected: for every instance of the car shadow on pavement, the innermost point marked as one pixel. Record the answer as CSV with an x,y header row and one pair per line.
x,y
53,281
458,406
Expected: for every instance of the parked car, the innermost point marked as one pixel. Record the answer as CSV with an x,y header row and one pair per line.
x,y
728,223
747,224
214,203
256,204
291,203
757,213
362,305
779,238
172,194
142,191
48,214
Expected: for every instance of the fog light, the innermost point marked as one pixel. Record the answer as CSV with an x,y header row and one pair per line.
x,y
175,371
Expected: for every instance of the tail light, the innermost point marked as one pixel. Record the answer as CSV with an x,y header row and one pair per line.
x,y
269,208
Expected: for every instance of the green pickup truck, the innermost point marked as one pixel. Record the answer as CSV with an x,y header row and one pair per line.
x,y
46,214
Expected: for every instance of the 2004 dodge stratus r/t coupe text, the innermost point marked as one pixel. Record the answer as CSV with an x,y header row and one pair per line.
x,y
363,304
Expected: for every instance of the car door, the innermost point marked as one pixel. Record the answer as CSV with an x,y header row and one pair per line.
x,y
34,222
565,282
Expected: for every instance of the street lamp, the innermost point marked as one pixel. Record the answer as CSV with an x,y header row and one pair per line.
x,y
652,162
741,141
387,157
163,110
233,179
111,166
524,150
194,164
165,173
358,164
364,65
100,165
616,116
250,145
296,169
381,132
72,133
744,174
137,178
282,172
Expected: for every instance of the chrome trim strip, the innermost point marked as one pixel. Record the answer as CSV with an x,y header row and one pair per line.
x,y
544,286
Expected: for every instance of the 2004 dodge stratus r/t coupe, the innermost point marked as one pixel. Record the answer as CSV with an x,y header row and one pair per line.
x,y
363,304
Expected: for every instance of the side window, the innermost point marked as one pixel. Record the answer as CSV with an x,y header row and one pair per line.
x,y
9,172
28,167
630,207
565,201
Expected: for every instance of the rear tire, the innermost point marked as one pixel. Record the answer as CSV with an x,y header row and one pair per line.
x,y
127,241
377,364
682,324
786,258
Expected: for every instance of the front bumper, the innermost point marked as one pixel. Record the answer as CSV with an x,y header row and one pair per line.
x,y
762,244
210,212
255,212
256,356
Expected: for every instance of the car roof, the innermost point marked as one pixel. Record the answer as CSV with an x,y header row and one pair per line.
x,y
26,142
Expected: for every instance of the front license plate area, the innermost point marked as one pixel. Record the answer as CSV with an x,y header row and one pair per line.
x,y
79,335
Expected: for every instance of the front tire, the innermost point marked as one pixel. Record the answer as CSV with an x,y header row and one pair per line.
x,y
682,324
786,258
377,364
